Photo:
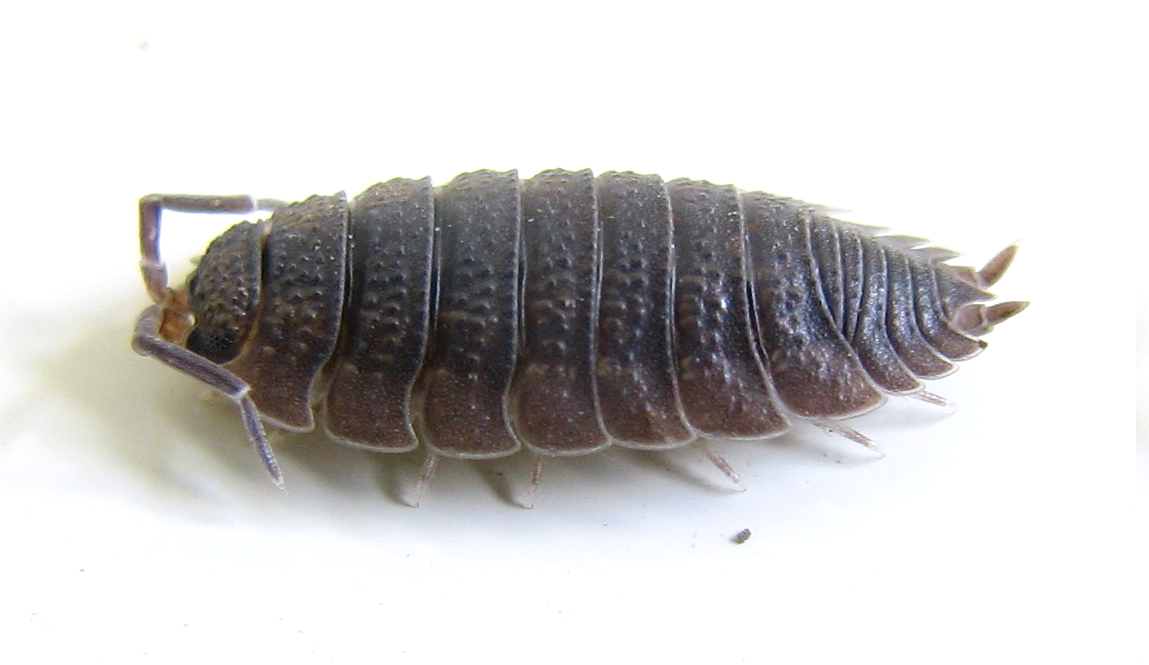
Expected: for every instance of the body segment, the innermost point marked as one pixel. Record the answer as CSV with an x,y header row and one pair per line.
x,y
638,395
296,325
388,307
724,387
459,406
554,400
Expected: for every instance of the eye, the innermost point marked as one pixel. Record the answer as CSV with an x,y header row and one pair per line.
x,y
216,348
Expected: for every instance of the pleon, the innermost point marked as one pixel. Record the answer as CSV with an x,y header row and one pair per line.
x,y
902,323
937,331
870,340
814,370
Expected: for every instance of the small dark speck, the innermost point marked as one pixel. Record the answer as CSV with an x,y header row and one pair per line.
x,y
81,570
740,537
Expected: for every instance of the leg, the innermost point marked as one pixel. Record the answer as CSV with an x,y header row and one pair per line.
x,y
147,342
536,478
430,463
152,205
720,462
835,427
932,398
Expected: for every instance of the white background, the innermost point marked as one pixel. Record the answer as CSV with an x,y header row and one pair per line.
x,y
137,525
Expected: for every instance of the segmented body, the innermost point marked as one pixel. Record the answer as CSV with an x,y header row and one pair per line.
x,y
569,312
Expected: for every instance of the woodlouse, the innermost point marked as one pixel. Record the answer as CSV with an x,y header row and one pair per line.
x,y
565,313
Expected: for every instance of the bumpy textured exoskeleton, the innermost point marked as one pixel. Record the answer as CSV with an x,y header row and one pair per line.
x,y
564,313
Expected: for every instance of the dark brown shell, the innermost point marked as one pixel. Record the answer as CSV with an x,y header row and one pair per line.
x,y
570,312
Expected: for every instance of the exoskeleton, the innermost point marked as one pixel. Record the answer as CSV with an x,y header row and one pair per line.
x,y
564,313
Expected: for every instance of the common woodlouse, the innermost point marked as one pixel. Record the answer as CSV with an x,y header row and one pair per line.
x,y
565,313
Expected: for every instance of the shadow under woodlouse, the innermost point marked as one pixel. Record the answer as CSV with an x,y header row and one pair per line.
x,y
139,409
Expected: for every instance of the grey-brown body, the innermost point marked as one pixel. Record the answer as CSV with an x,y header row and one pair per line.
x,y
569,312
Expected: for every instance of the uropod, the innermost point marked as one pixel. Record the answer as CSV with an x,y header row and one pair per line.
x,y
563,313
